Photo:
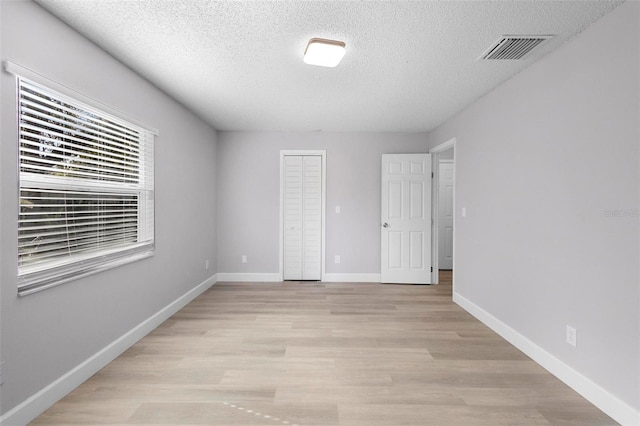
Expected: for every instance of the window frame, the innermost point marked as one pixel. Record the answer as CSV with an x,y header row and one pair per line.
x,y
58,271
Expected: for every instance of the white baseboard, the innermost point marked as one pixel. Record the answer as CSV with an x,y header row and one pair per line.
x,y
46,397
351,278
598,396
248,277
276,277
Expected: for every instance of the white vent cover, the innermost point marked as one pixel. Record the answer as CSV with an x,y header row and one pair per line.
x,y
514,47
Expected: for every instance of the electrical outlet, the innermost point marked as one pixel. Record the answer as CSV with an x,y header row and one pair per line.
x,y
206,264
337,259
244,258
572,336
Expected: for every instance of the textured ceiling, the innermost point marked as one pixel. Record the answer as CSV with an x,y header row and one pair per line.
x,y
409,65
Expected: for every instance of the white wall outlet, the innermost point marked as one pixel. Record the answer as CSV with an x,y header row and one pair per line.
x,y
337,209
464,212
244,258
572,336
337,259
206,264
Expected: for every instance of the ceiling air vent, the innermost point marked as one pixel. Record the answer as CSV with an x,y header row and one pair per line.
x,y
514,47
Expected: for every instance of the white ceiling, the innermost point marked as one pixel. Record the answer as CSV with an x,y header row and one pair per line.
x,y
409,65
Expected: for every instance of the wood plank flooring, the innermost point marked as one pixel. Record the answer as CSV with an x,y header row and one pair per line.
x,y
306,353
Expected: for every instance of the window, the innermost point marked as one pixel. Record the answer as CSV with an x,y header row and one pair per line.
x,y
86,189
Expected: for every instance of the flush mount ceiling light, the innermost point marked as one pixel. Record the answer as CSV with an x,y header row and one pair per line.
x,y
323,52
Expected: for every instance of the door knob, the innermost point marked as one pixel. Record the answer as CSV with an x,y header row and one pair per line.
x,y
386,225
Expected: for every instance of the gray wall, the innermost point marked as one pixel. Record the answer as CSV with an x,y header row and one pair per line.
x,y
548,169
249,196
46,334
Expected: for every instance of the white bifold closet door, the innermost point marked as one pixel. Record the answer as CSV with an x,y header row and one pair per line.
x,y
302,217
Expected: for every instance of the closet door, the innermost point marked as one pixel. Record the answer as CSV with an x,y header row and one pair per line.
x,y
302,217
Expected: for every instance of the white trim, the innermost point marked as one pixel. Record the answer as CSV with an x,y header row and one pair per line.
x,y
435,222
323,154
451,143
35,405
351,278
598,396
435,204
267,277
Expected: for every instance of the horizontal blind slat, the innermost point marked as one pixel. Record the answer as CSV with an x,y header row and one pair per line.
x,y
104,168
93,238
51,245
47,124
93,222
40,149
47,97
75,173
52,132
105,214
74,245
47,256
71,224
66,247
59,238
36,92
100,193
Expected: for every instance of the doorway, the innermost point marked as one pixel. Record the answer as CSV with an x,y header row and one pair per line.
x,y
443,240
302,215
445,212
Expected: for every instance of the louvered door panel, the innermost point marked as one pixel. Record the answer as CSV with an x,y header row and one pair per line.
x,y
312,217
293,217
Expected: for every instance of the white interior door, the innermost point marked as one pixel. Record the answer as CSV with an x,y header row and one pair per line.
x,y
406,219
445,214
302,199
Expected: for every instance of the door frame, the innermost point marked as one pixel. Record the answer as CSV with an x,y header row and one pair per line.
x,y
286,152
435,205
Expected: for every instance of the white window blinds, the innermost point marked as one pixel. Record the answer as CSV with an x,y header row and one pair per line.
x,y
86,189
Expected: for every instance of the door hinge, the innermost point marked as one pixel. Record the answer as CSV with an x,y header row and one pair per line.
x,y
432,269
431,175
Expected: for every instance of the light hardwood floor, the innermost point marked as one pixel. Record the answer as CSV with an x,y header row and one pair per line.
x,y
305,353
